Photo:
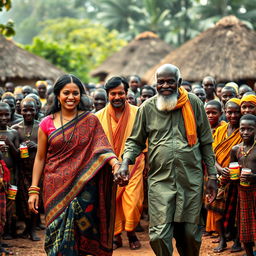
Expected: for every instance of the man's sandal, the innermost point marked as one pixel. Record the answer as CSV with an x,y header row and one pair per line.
x,y
134,243
117,242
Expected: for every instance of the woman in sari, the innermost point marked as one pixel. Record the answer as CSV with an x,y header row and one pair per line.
x,y
79,196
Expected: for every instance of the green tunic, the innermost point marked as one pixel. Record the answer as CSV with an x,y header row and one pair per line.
x,y
175,179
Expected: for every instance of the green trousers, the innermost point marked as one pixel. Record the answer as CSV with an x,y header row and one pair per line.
x,y
188,238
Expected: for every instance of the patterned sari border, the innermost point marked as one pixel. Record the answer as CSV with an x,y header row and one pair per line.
x,y
93,169
68,125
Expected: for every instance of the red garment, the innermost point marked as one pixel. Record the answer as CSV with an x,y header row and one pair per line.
x,y
246,213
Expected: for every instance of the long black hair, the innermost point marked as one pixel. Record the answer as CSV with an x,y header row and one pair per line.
x,y
59,84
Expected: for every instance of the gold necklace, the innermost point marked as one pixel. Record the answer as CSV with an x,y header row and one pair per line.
x,y
246,153
28,133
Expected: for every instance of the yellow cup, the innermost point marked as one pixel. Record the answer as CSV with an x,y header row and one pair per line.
x,y
234,170
12,192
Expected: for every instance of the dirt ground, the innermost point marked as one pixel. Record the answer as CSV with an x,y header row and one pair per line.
x,y
25,247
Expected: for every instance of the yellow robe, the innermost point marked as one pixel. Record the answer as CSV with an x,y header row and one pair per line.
x,y
212,216
222,146
129,199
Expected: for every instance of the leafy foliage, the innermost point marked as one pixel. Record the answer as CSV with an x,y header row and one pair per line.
x,y
175,21
8,28
76,46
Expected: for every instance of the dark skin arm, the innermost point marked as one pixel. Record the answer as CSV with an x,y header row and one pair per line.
x,y
13,145
251,178
31,145
222,171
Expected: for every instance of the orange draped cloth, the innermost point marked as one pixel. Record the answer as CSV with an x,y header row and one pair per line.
x,y
188,116
222,146
220,124
129,199
212,216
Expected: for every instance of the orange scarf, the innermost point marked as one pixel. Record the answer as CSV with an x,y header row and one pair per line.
x,y
188,116
118,135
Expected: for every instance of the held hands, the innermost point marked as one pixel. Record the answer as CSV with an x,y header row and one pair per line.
x,y
121,176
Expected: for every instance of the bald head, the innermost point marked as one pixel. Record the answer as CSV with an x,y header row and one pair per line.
x,y
227,93
208,79
168,70
243,89
208,84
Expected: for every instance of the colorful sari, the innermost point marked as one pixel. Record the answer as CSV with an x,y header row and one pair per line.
x,y
79,195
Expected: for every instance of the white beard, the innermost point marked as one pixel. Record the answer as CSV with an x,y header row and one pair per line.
x,y
166,103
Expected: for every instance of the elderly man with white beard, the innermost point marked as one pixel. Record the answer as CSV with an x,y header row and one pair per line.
x,y
179,140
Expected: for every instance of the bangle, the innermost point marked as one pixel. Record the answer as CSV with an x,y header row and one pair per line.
x,y
212,177
34,188
32,192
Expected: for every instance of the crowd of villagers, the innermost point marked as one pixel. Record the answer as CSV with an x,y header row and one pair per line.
x,y
231,216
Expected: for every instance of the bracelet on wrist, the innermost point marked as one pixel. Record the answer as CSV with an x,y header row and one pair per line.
x,y
33,192
36,188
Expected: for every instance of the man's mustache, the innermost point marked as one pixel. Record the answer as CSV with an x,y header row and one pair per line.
x,y
169,89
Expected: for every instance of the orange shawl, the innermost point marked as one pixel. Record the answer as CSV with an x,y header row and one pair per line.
x,y
118,135
222,144
188,116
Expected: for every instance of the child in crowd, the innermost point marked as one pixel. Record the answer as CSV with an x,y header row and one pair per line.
x,y
27,132
4,182
225,137
248,105
214,111
245,155
9,142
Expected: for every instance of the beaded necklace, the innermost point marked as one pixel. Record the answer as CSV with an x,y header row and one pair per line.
x,y
28,133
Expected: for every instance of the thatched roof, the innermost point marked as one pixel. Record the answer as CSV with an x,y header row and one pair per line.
x,y
137,57
227,52
16,63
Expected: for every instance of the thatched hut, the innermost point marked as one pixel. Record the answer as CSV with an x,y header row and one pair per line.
x,y
227,52
22,67
137,57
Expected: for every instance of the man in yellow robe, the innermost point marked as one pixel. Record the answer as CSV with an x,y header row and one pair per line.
x,y
117,119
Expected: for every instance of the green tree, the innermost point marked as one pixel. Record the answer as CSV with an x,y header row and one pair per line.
x,y
76,46
8,28
29,15
214,10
